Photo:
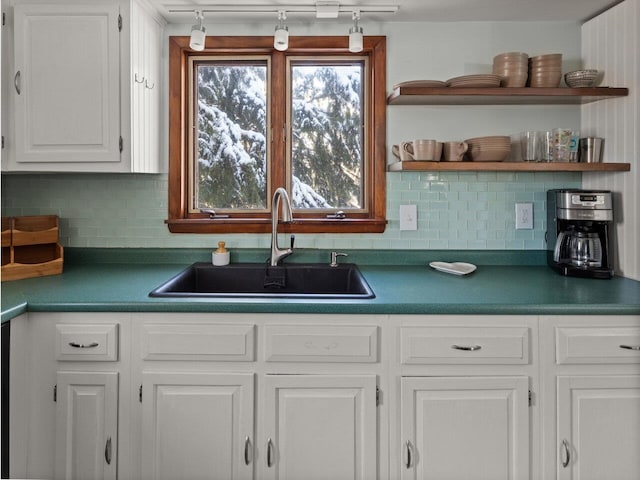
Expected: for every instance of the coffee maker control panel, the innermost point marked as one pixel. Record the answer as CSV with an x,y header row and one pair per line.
x,y
584,200
587,200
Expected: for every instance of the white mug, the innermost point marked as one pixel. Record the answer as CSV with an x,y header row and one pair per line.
x,y
406,151
454,151
425,150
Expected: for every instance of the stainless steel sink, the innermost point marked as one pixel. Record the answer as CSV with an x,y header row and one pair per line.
x,y
259,280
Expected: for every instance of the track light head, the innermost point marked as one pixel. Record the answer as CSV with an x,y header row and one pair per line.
x,y
281,35
355,34
198,33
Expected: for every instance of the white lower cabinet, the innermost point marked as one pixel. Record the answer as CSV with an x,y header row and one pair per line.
x,y
317,427
86,425
197,426
344,397
465,428
591,393
598,427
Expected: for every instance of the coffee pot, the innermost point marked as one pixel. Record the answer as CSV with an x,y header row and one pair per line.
x,y
579,247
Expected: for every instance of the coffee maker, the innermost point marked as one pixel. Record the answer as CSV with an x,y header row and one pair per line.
x,y
578,232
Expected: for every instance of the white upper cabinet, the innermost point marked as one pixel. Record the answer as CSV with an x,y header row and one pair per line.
x,y
66,83
75,102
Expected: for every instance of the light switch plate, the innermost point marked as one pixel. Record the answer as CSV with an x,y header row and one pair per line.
x,y
524,216
408,217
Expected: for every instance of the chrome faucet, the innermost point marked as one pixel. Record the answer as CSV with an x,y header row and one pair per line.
x,y
277,254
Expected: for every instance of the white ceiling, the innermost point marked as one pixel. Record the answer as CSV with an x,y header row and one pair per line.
x,y
415,10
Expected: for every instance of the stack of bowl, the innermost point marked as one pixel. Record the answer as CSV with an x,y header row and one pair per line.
x,y
545,70
489,149
512,67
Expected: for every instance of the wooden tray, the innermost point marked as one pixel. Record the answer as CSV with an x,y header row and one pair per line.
x,y
34,230
33,261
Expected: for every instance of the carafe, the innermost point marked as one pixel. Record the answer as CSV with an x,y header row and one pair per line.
x,y
585,249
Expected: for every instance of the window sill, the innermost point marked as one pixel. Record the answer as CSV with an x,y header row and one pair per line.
x,y
303,225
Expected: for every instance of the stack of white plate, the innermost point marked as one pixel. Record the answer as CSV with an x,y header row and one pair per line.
x,y
489,149
545,70
513,67
474,81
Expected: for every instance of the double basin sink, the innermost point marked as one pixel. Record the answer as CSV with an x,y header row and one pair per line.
x,y
259,280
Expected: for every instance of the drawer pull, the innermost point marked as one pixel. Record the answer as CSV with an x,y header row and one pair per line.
x,y
409,457
467,348
82,345
247,451
567,454
269,453
16,82
107,451
631,347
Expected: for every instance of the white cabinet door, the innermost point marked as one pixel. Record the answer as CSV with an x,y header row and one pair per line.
x,y
463,428
319,427
66,86
197,426
87,425
598,427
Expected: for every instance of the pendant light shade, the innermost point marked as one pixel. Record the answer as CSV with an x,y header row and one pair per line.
x,y
198,33
355,35
281,35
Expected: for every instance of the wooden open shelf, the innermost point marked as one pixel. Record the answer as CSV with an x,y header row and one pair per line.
x,y
502,96
418,166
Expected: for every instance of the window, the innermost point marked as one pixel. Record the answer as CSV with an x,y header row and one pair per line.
x,y
245,119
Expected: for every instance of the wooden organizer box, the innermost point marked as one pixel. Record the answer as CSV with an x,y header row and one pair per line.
x,y
30,247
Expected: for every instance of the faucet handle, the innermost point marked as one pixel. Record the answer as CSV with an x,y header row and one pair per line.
x,y
334,258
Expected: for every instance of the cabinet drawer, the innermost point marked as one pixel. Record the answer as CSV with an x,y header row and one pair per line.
x,y
185,341
321,343
597,345
464,345
87,343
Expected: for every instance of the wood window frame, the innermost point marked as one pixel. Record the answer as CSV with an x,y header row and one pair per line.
x,y
181,221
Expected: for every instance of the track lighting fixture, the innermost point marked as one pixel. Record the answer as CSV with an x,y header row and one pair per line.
x,y
355,34
281,37
198,33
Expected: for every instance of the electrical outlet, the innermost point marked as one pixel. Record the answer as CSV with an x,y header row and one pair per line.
x,y
524,216
408,217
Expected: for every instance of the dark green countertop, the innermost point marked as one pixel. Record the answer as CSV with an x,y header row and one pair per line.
x,y
525,288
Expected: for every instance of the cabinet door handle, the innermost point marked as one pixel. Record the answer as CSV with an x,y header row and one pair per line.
x,y
631,347
269,453
247,451
567,454
467,348
107,451
16,82
83,345
408,461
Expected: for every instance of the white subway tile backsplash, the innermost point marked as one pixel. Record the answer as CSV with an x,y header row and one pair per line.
x,y
464,210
